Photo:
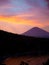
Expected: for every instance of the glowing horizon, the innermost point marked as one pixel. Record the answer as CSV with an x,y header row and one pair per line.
x,y
25,13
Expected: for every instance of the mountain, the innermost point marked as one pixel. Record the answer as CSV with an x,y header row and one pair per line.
x,y
37,32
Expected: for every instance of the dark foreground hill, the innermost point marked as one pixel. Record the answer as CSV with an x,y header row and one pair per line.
x,y
13,44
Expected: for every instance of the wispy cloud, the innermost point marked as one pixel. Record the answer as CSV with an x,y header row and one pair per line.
x,y
36,3
39,9
25,12
14,28
3,2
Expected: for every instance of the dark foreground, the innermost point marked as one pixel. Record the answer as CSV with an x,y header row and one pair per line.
x,y
18,45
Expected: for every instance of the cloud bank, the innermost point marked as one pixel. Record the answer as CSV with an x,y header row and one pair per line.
x,y
24,12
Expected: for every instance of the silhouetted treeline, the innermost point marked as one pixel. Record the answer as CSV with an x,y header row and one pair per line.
x,y
13,44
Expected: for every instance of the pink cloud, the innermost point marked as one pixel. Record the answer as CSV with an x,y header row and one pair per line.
x,y
14,28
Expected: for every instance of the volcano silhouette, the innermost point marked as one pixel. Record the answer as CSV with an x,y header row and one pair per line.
x,y
37,32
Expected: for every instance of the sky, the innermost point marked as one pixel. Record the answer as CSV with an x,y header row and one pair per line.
x,y
18,16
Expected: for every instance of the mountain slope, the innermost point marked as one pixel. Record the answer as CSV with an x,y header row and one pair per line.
x,y
13,44
37,32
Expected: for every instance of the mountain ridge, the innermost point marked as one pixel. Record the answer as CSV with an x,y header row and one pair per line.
x,y
37,32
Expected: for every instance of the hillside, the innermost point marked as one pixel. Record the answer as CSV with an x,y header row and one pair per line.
x,y
13,44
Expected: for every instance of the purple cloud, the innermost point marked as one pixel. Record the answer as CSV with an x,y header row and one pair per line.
x,y
2,2
32,2
41,3
39,8
47,1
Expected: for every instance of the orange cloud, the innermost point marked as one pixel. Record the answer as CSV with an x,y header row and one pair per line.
x,y
22,19
19,20
20,23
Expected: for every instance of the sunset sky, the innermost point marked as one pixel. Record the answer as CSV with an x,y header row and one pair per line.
x,y
18,16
